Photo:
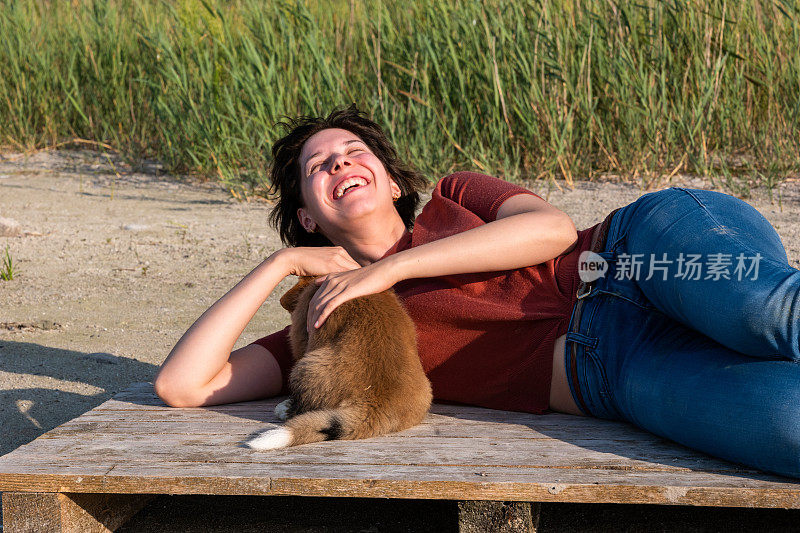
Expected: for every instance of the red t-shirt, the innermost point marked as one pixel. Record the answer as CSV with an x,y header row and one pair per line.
x,y
484,339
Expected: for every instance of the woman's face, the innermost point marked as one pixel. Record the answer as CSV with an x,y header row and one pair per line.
x,y
341,182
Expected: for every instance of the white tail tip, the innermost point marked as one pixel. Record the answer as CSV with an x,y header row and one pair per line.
x,y
271,440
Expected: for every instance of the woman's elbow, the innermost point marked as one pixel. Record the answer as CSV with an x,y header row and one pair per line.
x,y
567,233
570,229
172,394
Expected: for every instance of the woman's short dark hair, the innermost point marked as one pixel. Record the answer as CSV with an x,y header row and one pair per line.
x,y
285,171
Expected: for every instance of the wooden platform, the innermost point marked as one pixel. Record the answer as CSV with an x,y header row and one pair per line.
x,y
81,471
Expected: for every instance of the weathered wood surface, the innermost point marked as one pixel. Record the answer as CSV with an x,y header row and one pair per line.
x,y
134,444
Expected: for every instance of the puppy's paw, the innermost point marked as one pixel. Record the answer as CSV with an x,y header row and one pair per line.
x,y
283,408
272,439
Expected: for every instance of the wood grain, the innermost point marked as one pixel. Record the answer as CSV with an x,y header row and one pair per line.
x,y
134,444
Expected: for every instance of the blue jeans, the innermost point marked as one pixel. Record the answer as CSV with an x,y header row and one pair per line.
x,y
709,362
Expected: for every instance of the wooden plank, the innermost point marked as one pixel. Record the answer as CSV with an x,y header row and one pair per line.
x,y
412,481
424,451
206,434
639,450
135,444
344,470
552,426
79,513
415,483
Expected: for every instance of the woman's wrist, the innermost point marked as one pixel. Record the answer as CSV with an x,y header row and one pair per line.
x,y
281,261
396,268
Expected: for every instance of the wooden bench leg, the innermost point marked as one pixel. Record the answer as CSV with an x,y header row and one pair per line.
x,y
73,512
497,517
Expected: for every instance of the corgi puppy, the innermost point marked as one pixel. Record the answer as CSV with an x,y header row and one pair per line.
x,y
357,376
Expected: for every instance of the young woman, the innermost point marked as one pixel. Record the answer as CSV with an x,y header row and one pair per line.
x,y
687,324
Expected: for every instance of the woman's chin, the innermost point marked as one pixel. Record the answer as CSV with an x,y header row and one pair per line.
x,y
359,206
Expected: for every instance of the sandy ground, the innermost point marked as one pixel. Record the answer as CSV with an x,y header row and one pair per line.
x,y
114,264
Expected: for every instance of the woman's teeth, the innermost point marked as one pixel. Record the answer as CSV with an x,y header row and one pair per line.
x,y
339,192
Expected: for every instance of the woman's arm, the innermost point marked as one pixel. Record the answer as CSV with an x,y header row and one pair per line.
x,y
527,231
202,370
198,367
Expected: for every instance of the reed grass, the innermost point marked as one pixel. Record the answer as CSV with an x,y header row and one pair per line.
x,y
526,89
7,268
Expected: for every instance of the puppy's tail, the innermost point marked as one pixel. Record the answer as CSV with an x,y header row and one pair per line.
x,y
350,422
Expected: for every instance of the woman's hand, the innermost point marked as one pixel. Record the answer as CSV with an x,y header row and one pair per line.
x,y
317,260
337,288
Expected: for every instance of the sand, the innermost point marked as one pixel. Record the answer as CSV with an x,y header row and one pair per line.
x,y
115,263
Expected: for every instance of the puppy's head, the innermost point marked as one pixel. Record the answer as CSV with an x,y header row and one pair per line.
x,y
289,300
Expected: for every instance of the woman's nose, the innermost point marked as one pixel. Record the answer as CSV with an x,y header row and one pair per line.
x,y
339,161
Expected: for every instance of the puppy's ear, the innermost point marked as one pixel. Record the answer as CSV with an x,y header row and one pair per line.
x,y
289,299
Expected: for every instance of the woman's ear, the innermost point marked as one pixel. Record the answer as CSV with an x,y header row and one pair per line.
x,y
396,192
306,221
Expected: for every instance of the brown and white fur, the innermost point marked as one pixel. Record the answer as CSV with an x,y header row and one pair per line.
x,y
357,376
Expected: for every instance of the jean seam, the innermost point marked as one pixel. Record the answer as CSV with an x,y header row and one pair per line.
x,y
613,250
605,389
611,245
580,355
616,242
623,297
589,353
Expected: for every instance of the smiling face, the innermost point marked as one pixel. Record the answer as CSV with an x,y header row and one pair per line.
x,y
342,181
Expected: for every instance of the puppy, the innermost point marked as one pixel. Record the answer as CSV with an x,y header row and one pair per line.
x,y
357,376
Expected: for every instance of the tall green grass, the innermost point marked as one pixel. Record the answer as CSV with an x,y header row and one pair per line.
x,y
522,89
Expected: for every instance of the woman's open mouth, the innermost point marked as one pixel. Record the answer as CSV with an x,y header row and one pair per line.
x,y
348,185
